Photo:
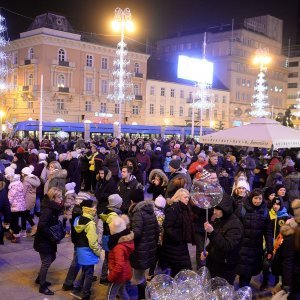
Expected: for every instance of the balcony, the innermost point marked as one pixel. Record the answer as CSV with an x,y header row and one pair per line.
x,y
139,75
28,62
25,88
67,64
138,97
62,89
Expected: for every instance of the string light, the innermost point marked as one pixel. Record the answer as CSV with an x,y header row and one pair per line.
x,y
3,55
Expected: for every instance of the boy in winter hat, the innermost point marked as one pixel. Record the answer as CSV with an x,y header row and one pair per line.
x,y
69,204
112,211
121,246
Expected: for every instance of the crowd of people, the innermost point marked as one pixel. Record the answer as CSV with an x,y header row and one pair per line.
x,y
94,193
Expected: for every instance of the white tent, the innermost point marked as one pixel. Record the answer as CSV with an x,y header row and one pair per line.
x,y
260,132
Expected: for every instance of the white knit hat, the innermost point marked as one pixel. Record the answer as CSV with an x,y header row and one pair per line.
x,y
115,200
117,225
27,170
70,188
42,156
10,170
160,201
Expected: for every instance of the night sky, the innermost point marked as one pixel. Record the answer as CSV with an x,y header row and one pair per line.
x,y
155,19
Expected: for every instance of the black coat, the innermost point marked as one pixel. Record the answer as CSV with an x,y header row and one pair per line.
x,y
4,203
175,252
225,241
43,241
257,224
146,232
74,173
157,160
156,190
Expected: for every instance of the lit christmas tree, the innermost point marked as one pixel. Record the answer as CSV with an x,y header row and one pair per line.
x,y
3,55
260,97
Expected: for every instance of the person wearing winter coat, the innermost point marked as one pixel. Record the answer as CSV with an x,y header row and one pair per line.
x,y
275,177
69,203
158,183
144,162
105,187
178,232
86,244
225,235
292,183
30,184
74,170
17,205
106,216
121,246
136,172
20,162
126,187
112,162
146,232
157,159
44,242
290,254
254,215
198,165
5,213
239,194
56,178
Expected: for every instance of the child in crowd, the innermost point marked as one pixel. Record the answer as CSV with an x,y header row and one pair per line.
x,y
166,164
69,204
112,211
121,246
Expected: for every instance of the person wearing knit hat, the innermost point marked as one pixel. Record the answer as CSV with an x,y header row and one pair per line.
x,y
21,150
269,195
34,151
121,246
81,196
69,203
174,164
10,171
42,156
160,202
114,200
27,170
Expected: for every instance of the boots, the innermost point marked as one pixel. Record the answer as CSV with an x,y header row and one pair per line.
x,y
45,290
16,238
33,230
37,281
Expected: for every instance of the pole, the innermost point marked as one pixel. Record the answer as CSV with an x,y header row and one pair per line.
x,y
193,117
41,110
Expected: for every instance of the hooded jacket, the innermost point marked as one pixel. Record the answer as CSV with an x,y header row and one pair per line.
x,y
30,184
56,179
292,184
146,233
86,242
160,189
16,196
118,257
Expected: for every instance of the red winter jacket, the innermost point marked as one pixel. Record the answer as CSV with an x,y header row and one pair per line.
x,y
118,260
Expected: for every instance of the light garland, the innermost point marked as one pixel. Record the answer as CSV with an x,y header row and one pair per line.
x,y
3,55
260,97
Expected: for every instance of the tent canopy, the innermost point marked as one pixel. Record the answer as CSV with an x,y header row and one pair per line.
x,y
260,132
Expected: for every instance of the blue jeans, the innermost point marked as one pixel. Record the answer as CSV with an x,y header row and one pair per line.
x,y
86,280
115,289
73,271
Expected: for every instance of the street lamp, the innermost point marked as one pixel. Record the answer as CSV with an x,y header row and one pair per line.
x,y
121,83
2,114
260,89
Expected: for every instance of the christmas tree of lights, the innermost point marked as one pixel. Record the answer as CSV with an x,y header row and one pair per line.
x,y
260,97
3,55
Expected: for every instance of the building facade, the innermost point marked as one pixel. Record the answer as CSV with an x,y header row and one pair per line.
x,y
76,75
232,49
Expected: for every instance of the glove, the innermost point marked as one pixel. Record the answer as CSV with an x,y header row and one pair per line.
x,y
281,295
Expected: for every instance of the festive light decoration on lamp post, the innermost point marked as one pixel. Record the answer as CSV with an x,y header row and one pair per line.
x,y
260,89
121,85
3,65
297,107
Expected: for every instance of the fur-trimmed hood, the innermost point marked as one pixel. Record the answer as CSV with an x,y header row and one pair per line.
x,y
126,238
161,174
58,174
146,205
32,180
288,228
107,177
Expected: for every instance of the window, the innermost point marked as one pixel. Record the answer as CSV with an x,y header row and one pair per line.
x,y
152,90
224,99
135,110
15,58
181,111
104,63
161,110
61,55
243,82
89,84
293,64
88,106
136,89
89,60
237,95
293,75
15,81
172,94
103,107
162,92
136,68
292,85
248,83
216,98
104,87
117,108
223,115
60,104
29,104
181,94
215,114
171,110
207,114
30,79
191,95
30,53
238,81
190,113
151,110
60,80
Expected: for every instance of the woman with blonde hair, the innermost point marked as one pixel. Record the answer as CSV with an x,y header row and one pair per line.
x,y
178,232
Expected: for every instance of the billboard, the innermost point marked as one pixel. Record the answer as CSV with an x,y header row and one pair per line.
x,y
195,69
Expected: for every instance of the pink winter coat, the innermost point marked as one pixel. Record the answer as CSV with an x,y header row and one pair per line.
x,y
16,196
